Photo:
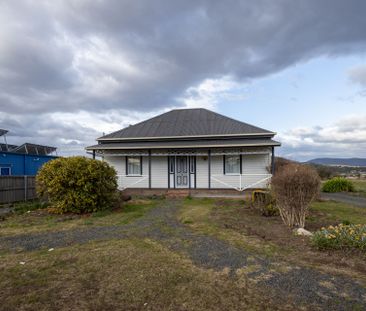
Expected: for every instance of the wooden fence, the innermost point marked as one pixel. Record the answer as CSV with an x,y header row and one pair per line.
x,y
17,188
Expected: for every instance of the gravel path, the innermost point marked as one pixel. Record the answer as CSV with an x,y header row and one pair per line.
x,y
345,198
304,285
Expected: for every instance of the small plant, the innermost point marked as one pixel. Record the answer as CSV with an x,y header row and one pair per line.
x,y
77,184
295,187
24,207
338,184
270,210
341,237
264,202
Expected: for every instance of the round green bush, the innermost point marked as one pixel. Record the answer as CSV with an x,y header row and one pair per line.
x,y
338,184
77,184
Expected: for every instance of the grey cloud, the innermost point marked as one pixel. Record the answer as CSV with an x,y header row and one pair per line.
x,y
172,46
142,56
345,138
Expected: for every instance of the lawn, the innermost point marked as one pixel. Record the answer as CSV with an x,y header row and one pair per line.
x,y
139,272
28,218
360,186
237,223
118,275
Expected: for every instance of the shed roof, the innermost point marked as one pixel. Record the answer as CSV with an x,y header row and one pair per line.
x,y
28,148
180,123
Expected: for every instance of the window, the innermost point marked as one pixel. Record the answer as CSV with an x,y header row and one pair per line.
x,y
192,168
4,171
232,164
171,165
134,165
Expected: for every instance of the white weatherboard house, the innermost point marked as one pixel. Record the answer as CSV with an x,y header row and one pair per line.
x,y
190,149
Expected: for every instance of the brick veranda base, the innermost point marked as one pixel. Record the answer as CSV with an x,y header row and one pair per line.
x,y
189,192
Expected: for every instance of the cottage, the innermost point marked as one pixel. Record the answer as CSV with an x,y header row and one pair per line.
x,y
190,149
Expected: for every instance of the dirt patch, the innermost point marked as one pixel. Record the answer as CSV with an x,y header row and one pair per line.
x,y
249,222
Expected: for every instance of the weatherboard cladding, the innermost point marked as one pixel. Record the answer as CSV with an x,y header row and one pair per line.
x,y
187,122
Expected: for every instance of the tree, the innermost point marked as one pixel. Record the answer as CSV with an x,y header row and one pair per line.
x,y
295,186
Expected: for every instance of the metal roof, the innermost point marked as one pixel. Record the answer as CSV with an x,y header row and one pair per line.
x,y
181,123
28,148
7,147
186,144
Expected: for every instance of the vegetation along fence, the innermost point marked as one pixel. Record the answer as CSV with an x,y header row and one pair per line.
x,y
17,188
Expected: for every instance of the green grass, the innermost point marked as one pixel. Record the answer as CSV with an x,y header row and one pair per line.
x,y
360,186
24,207
340,212
30,217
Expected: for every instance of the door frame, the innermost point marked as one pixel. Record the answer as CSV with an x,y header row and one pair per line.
x,y
172,175
186,174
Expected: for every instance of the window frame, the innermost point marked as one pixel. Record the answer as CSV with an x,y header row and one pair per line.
x,y
127,172
240,164
5,167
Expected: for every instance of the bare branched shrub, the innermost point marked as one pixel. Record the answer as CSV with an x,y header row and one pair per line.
x,y
295,186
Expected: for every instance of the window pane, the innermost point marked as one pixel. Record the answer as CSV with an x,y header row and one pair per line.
x,y
192,168
5,171
232,164
171,163
133,166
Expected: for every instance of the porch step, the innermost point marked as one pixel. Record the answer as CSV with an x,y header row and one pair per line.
x,y
177,193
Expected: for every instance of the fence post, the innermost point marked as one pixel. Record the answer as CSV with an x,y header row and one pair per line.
x,y
25,187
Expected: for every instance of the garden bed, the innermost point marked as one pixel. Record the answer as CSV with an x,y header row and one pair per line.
x,y
240,224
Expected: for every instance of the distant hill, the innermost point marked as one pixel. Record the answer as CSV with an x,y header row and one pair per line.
x,y
339,161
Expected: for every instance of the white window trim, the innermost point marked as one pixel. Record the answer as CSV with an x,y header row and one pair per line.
x,y
141,168
224,164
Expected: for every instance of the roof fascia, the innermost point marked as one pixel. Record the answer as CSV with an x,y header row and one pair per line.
x,y
187,136
105,147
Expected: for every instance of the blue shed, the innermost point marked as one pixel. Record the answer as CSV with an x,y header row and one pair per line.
x,y
25,159
21,164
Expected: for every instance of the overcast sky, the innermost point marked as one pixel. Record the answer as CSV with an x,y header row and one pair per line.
x,y
71,70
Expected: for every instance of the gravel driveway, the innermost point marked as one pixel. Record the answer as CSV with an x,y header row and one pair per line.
x,y
304,285
345,198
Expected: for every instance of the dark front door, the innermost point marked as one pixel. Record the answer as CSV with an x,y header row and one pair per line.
x,y
181,174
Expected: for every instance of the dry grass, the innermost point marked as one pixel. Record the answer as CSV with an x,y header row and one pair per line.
x,y
242,226
120,275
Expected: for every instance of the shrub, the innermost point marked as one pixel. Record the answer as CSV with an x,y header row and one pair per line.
x,y
338,184
77,184
264,202
341,237
294,187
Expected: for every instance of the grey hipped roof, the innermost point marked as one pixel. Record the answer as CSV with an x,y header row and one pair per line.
x,y
181,123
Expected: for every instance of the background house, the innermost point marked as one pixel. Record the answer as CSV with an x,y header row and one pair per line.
x,y
190,149
25,159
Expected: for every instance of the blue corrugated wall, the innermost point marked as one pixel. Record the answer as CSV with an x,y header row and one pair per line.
x,y
23,164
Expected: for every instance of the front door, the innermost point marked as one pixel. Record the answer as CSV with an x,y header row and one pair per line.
x,y
181,175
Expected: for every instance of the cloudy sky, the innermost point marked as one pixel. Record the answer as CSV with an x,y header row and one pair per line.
x,y
71,70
